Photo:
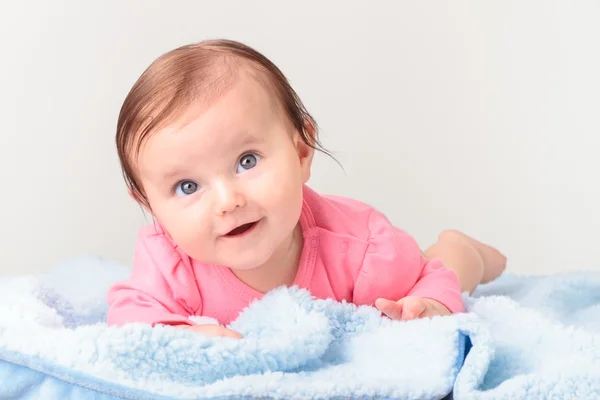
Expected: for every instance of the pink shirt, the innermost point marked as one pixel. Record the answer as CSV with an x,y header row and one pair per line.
x,y
351,252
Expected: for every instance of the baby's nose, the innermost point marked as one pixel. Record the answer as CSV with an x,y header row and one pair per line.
x,y
228,198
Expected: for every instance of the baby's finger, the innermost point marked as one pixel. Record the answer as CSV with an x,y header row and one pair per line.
x,y
214,330
413,307
222,331
390,308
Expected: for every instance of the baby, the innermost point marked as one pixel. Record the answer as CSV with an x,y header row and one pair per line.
x,y
215,144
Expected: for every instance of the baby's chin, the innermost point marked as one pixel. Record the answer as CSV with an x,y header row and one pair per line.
x,y
244,264
239,263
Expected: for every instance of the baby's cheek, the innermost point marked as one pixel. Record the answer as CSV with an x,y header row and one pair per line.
x,y
196,245
288,197
190,231
275,186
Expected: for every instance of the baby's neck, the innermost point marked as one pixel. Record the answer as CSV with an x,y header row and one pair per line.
x,y
280,270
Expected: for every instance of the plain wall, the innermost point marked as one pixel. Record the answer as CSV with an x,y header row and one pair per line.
x,y
480,116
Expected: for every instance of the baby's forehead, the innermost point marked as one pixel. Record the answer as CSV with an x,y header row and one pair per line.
x,y
211,136
180,85
237,113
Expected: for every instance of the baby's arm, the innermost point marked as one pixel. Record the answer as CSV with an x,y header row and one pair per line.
x,y
129,303
143,299
436,292
399,280
161,290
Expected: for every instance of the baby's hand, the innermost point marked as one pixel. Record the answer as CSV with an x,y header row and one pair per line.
x,y
411,307
212,330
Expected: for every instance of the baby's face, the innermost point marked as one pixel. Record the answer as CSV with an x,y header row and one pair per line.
x,y
225,179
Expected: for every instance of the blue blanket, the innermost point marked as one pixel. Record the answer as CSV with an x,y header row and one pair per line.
x,y
524,337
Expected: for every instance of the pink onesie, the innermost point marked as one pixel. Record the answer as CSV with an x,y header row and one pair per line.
x,y
351,252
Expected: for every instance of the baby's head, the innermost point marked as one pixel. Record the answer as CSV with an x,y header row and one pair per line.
x,y
216,145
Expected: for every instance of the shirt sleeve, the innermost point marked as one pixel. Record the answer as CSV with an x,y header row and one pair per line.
x,y
161,289
394,267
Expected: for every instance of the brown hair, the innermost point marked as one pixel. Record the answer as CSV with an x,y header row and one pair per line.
x,y
187,74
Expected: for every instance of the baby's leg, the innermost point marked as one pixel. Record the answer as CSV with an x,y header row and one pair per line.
x,y
472,261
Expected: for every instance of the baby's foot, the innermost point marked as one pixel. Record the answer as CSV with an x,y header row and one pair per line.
x,y
494,262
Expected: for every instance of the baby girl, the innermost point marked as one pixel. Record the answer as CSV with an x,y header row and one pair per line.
x,y
215,144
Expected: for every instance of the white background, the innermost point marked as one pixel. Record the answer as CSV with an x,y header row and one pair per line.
x,y
481,116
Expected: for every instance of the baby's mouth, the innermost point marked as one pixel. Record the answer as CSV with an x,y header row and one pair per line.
x,y
241,229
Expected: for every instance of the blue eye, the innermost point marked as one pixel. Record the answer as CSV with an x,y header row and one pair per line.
x,y
248,161
185,188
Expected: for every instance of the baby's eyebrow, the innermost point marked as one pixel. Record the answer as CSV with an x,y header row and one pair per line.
x,y
169,175
250,139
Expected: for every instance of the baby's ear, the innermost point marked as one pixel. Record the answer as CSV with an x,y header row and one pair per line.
x,y
306,151
305,155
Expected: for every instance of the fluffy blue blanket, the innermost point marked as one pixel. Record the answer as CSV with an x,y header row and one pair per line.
x,y
526,338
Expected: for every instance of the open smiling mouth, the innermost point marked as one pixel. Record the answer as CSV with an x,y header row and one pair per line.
x,y
242,229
